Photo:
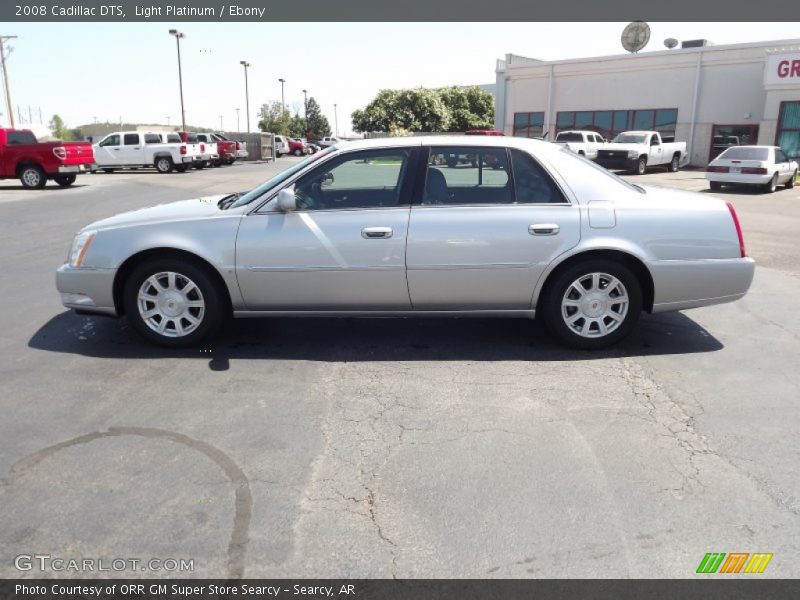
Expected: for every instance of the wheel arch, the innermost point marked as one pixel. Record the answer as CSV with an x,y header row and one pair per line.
x,y
633,262
28,162
133,261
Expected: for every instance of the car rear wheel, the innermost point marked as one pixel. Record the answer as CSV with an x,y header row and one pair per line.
x,y
33,177
592,304
108,170
164,164
715,185
770,187
172,302
674,164
181,168
65,180
297,152
790,183
641,166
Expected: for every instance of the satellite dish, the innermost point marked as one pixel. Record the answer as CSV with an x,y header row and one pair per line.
x,y
635,36
670,43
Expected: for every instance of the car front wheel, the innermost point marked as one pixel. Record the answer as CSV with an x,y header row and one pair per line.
x,y
790,183
592,304
173,302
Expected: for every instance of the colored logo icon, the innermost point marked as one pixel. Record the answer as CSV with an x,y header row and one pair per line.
x,y
735,562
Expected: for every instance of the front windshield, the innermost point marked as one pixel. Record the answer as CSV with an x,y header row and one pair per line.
x,y
627,138
259,191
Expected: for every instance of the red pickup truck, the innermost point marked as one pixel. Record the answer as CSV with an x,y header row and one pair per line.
x,y
21,156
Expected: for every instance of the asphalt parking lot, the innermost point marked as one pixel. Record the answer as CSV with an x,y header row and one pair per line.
x,y
394,448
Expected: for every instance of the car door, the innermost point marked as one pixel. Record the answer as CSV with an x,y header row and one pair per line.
x,y
107,152
483,231
132,151
784,166
343,248
656,156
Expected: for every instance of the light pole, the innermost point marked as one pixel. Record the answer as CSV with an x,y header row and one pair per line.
x,y
283,102
220,123
245,64
305,108
3,39
237,121
336,120
178,35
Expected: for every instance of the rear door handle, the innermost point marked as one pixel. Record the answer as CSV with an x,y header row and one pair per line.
x,y
543,229
376,233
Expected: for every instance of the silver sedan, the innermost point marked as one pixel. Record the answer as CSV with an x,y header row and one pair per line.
x,y
434,226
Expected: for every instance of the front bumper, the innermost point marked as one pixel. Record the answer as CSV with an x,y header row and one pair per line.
x,y
624,164
88,290
682,284
84,168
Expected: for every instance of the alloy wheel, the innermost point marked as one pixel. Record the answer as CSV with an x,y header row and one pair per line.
x,y
171,304
594,305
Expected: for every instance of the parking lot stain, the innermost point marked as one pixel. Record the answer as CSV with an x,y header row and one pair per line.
x,y
237,547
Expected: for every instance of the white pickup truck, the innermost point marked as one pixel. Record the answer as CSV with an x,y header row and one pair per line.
x,y
135,149
585,143
210,149
637,150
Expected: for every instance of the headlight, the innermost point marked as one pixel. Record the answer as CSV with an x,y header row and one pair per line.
x,y
80,245
633,154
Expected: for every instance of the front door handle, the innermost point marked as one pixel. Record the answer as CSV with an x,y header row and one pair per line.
x,y
544,229
376,233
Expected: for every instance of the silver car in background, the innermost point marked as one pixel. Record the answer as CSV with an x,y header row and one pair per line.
x,y
434,226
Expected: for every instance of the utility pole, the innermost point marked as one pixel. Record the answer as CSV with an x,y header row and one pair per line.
x,y
305,109
336,120
220,123
237,121
245,64
3,39
283,102
178,35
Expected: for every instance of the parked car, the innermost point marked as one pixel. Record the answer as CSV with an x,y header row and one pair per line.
x,y
585,143
197,148
367,229
135,149
329,140
483,132
281,145
297,147
241,149
313,147
637,150
765,167
211,149
227,147
23,157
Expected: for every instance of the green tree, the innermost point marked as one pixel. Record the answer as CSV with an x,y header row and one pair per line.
x,y
444,109
318,125
59,128
275,118
297,126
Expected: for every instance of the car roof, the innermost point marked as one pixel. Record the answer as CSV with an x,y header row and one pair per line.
x,y
445,140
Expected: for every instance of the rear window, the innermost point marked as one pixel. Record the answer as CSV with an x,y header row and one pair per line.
x,y
173,138
20,137
151,138
745,153
569,137
191,138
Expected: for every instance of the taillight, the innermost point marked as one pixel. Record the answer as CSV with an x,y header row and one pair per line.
x,y
711,169
738,226
754,170
202,147
183,149
60,152
238,145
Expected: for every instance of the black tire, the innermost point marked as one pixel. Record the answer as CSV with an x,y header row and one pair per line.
x,y
581,153
790,183
181,168
214,299
674,165
32,177
715,186
770,187
65,180
297,152
556,290
216,163
231,161
641,166
278,155
199,166
164,164
108,170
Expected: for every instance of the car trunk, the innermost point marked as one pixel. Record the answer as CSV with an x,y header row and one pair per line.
x,y
78,153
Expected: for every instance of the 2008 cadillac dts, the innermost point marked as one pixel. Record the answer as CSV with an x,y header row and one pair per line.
x,y
412,227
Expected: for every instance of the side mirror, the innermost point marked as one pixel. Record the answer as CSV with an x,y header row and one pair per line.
x,y
287,201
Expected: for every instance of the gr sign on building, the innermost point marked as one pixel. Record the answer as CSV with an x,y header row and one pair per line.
x,y
782,69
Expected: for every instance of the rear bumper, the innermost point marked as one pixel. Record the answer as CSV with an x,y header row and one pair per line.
x,y
242,154
88,290
681,284
739,178
84,168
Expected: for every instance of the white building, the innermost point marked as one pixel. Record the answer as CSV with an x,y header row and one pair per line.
x,y
709,96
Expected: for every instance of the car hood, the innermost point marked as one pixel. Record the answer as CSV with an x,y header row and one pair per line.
x,y
198,208
623,147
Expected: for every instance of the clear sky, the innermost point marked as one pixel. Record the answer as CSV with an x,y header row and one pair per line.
x,y
129,70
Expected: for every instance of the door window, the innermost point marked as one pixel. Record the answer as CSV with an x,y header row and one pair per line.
x,y
780,156
461,175
131,139
532,185
112,140
370,179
